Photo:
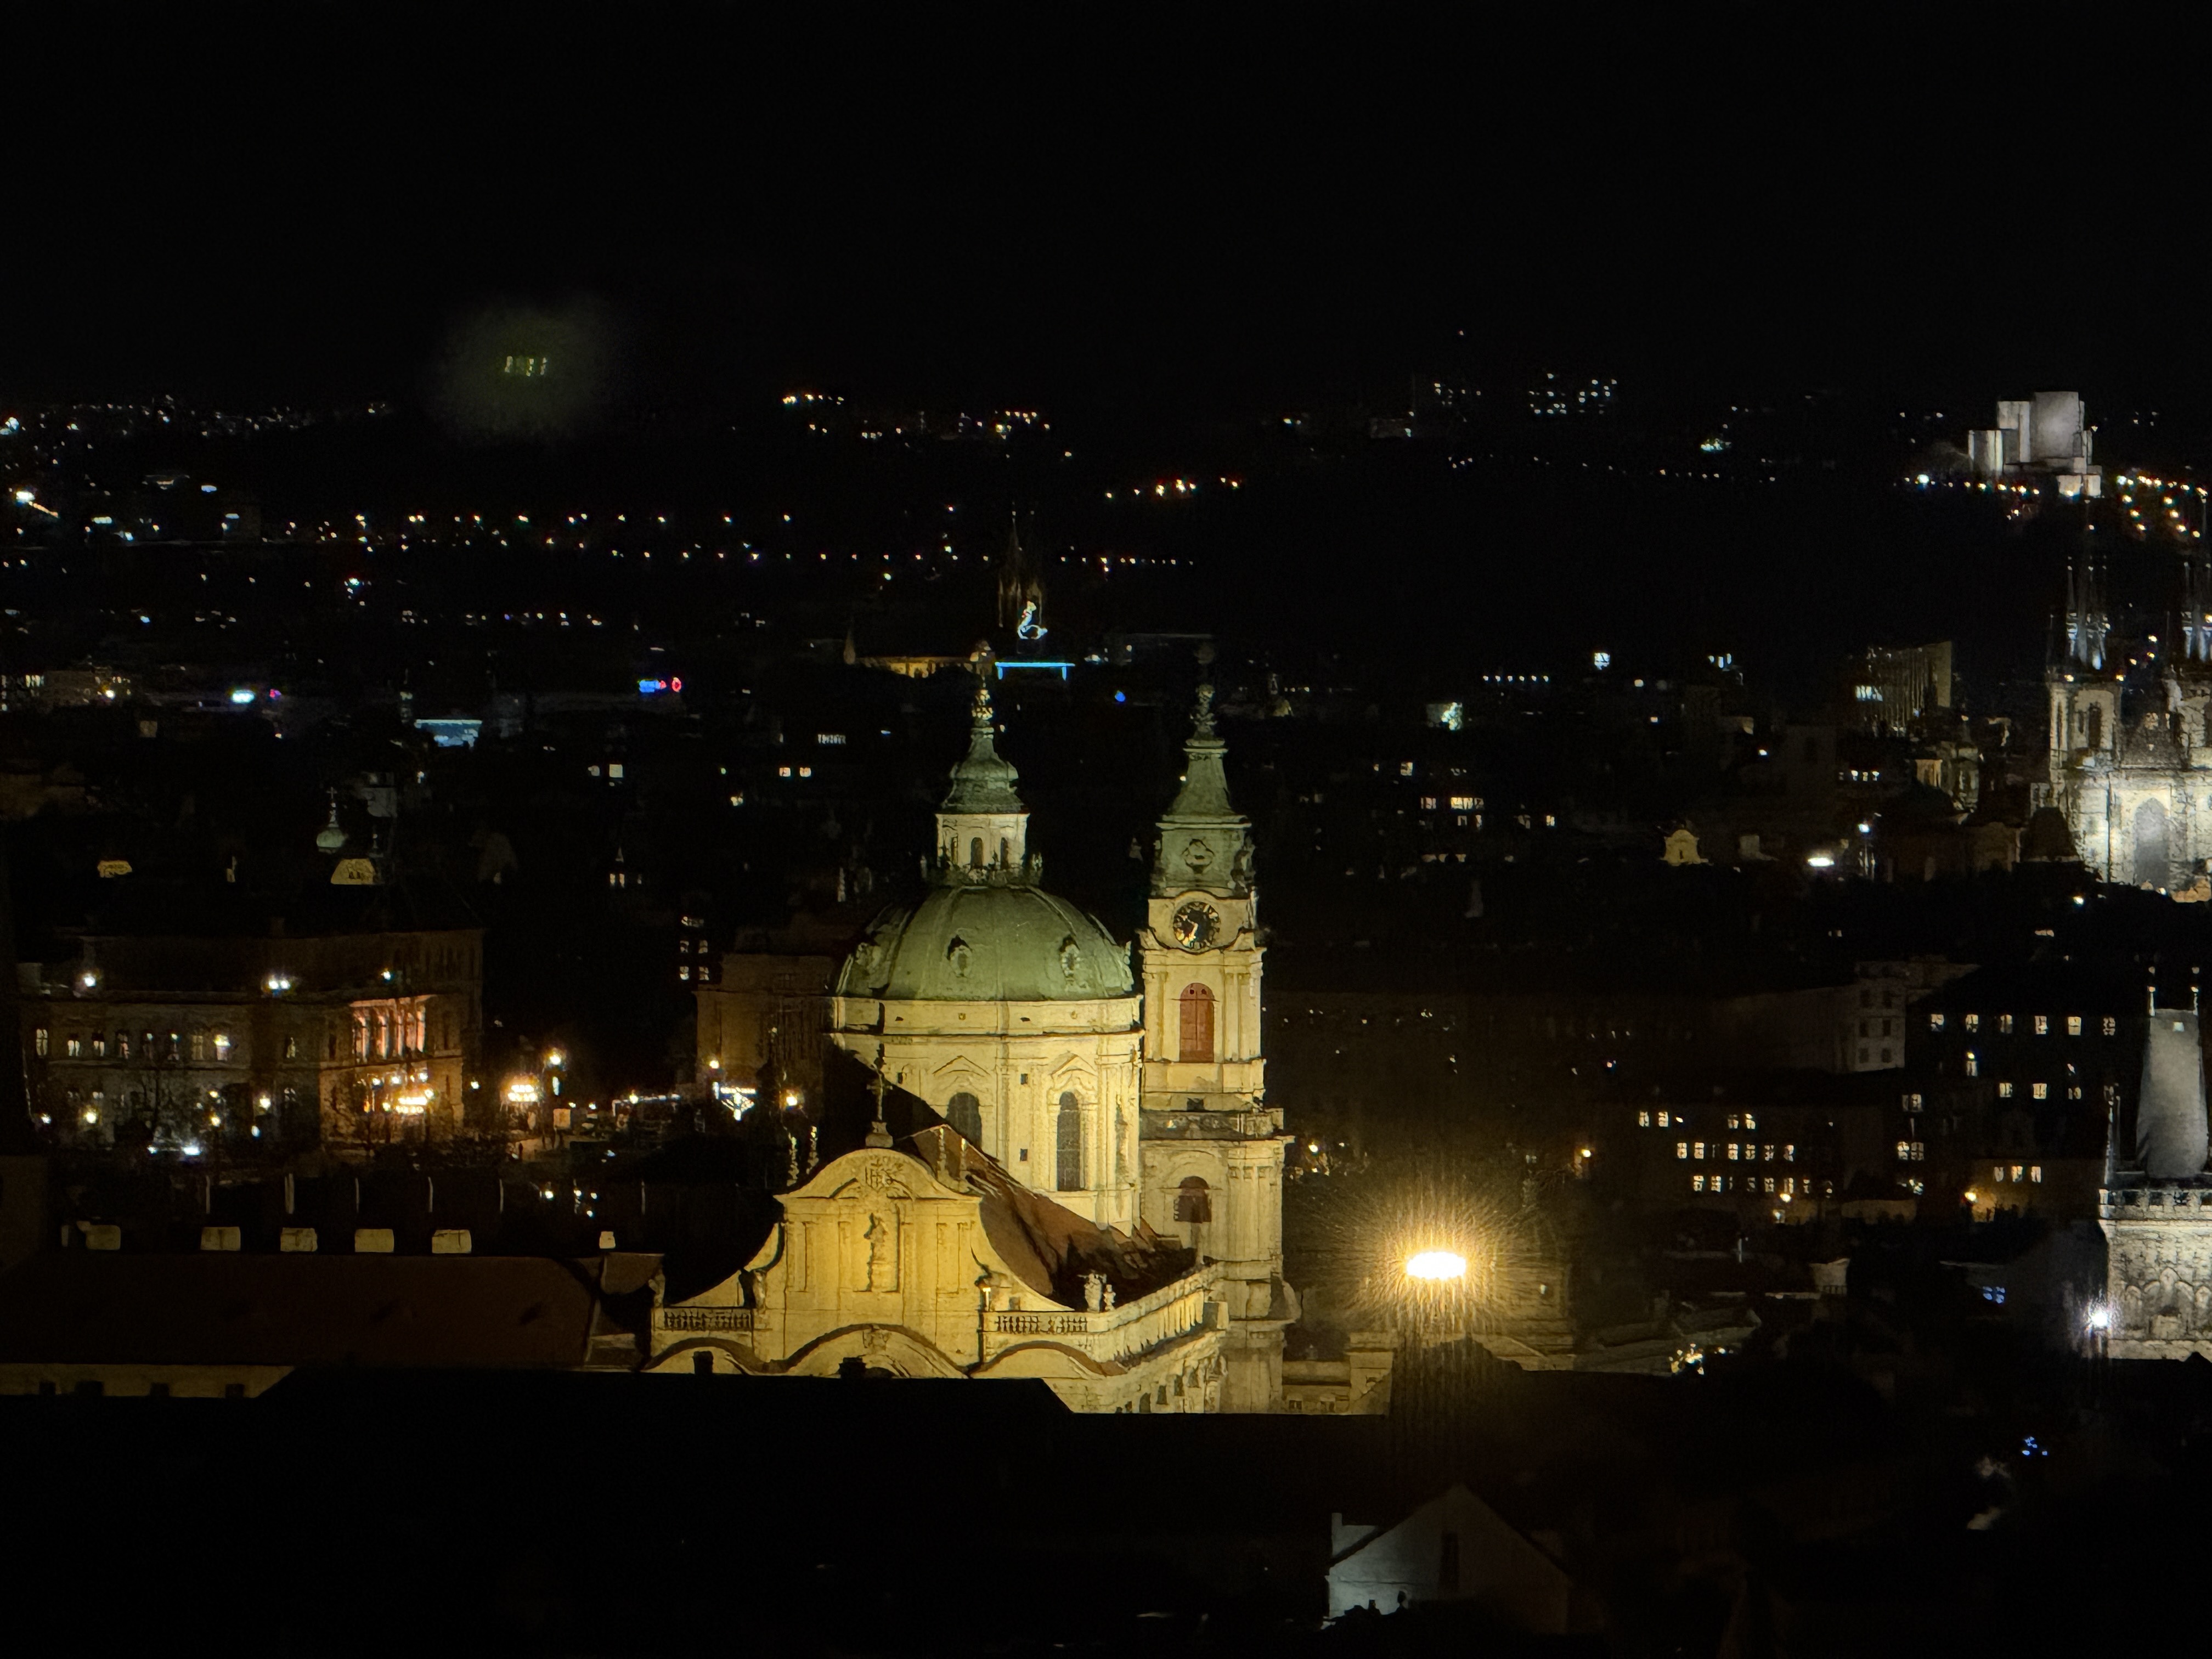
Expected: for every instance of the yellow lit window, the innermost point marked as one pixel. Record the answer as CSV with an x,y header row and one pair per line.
x,y
2039,1091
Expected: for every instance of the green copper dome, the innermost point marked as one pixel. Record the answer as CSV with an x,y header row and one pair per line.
x,y
995,942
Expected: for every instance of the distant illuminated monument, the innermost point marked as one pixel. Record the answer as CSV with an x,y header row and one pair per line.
x,y
2047,436
2126,766
1021,588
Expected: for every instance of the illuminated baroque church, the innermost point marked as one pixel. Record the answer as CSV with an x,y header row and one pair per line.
x,y
2130,767
1095,1197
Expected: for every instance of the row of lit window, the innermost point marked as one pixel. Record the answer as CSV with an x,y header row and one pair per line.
x,y
96,1047
1786,1187
1459,804
1680,1120
1747,1151
2037,1090
2017,1172
2041,1024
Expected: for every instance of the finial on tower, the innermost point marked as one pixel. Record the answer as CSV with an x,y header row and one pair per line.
x,y
1201,721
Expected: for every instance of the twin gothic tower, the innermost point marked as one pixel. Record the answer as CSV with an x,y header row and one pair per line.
x,y
1133,1099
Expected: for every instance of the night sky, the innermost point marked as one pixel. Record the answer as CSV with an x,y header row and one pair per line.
x,y
1138,214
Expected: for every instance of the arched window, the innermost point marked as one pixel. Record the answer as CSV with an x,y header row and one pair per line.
x,y
1005,853
2096,726
1197,1035
975,854
965,1114
1193,1199
1071,1145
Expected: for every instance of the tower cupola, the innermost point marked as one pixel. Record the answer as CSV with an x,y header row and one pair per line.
x,y
982,827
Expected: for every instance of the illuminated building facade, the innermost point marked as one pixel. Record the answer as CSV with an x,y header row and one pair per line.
x,y
2134,783
2048,435
924,1258
346,1041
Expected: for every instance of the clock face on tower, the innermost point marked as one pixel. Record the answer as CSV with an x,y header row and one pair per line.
x,y
1197,925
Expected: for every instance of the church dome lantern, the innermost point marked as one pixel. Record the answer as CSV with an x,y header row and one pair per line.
x,y
986,932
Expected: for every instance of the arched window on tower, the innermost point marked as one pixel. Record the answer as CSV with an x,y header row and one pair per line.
x,y
965,1114
1193,1199
1196,1038
975,854
1005,853
1071,1145
2096,726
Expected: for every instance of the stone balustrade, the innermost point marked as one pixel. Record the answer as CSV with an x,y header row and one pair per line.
x,y
1109,1333
704,1319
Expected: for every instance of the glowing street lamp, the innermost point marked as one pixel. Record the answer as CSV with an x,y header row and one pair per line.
x,y
1436,1265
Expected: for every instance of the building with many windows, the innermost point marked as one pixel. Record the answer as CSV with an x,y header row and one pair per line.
x,y
349,1037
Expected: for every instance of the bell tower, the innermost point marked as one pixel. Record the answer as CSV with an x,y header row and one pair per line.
x,y
1201,944
1212,1148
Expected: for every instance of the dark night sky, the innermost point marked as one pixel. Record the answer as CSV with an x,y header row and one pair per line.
x,y
302,202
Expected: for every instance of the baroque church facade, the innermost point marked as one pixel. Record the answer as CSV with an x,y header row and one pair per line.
x,y
1097,1200
2130,767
